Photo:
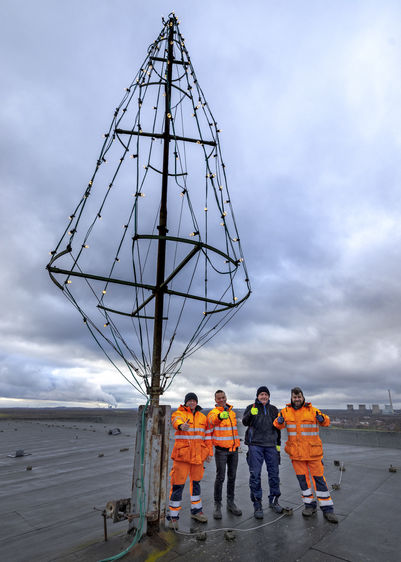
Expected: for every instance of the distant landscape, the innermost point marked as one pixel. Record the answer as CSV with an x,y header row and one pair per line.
x,y
343,419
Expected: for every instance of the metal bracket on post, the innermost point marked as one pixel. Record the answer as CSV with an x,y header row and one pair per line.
x,y
150,476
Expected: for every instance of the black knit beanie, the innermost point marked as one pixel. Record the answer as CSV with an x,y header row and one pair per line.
x,y
262,389
190,396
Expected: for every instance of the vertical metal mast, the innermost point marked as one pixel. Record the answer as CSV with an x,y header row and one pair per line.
x,y
155,390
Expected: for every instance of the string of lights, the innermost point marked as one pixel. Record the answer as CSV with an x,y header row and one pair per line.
x,y
107,260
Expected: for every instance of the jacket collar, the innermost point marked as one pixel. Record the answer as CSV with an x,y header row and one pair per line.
x,y
186,409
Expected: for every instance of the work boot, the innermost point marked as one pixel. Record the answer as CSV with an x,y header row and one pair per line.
x,y
233,508
330,516
275,506
217,510
309,511
258,511
199,517
173,523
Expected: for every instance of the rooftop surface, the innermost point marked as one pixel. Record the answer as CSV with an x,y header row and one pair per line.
x,y
52,512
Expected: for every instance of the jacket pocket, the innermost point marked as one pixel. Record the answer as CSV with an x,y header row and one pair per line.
x,y
291,449
182,453
204,452
315,450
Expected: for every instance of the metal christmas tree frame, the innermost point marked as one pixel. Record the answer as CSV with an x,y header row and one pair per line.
x,y
152,252
152,248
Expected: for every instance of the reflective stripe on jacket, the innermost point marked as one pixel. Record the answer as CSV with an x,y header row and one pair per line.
x,y
223,433
303,431
190,445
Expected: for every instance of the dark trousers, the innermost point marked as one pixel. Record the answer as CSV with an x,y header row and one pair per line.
x,y
225,458
255,457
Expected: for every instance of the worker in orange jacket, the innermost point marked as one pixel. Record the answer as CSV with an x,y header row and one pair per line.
x,y
305,449
190,451
222,422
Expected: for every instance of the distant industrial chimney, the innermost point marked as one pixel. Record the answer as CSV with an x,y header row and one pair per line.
x,y
391,402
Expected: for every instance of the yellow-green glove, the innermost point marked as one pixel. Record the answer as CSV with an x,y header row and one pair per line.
x,y
278,448
254,411
224,416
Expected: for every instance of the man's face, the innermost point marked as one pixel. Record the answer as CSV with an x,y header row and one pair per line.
x,y
221,399
264,398
297,399
191,404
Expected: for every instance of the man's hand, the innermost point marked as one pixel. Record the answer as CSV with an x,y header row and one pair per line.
x,y
280,418
223,416
254,411
208,458
278,448
319,416
184,426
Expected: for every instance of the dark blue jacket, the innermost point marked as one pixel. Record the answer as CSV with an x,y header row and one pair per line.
x,y
261,430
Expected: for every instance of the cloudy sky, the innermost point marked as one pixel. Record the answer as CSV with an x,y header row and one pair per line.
x,y
307,94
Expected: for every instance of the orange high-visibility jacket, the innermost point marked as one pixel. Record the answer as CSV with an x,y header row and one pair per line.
x,y
224,432
191,445
303,441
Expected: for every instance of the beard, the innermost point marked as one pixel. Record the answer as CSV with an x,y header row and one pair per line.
x,y
300,405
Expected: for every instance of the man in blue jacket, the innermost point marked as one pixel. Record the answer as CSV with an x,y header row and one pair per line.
x,y
263,441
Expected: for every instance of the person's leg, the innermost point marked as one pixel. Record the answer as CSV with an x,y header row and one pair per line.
x,y
272,464
195,475
322,491
221,461
178,475
232,464
271,460
255,461
302,472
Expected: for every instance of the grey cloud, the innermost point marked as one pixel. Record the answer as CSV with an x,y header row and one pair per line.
x,y
314,186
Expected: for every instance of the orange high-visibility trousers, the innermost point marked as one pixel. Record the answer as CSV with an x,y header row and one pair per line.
x,y
179,475
316,470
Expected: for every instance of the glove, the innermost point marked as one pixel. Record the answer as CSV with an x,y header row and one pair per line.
x,y
280,418
319,417
254,411
278,448
223,416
